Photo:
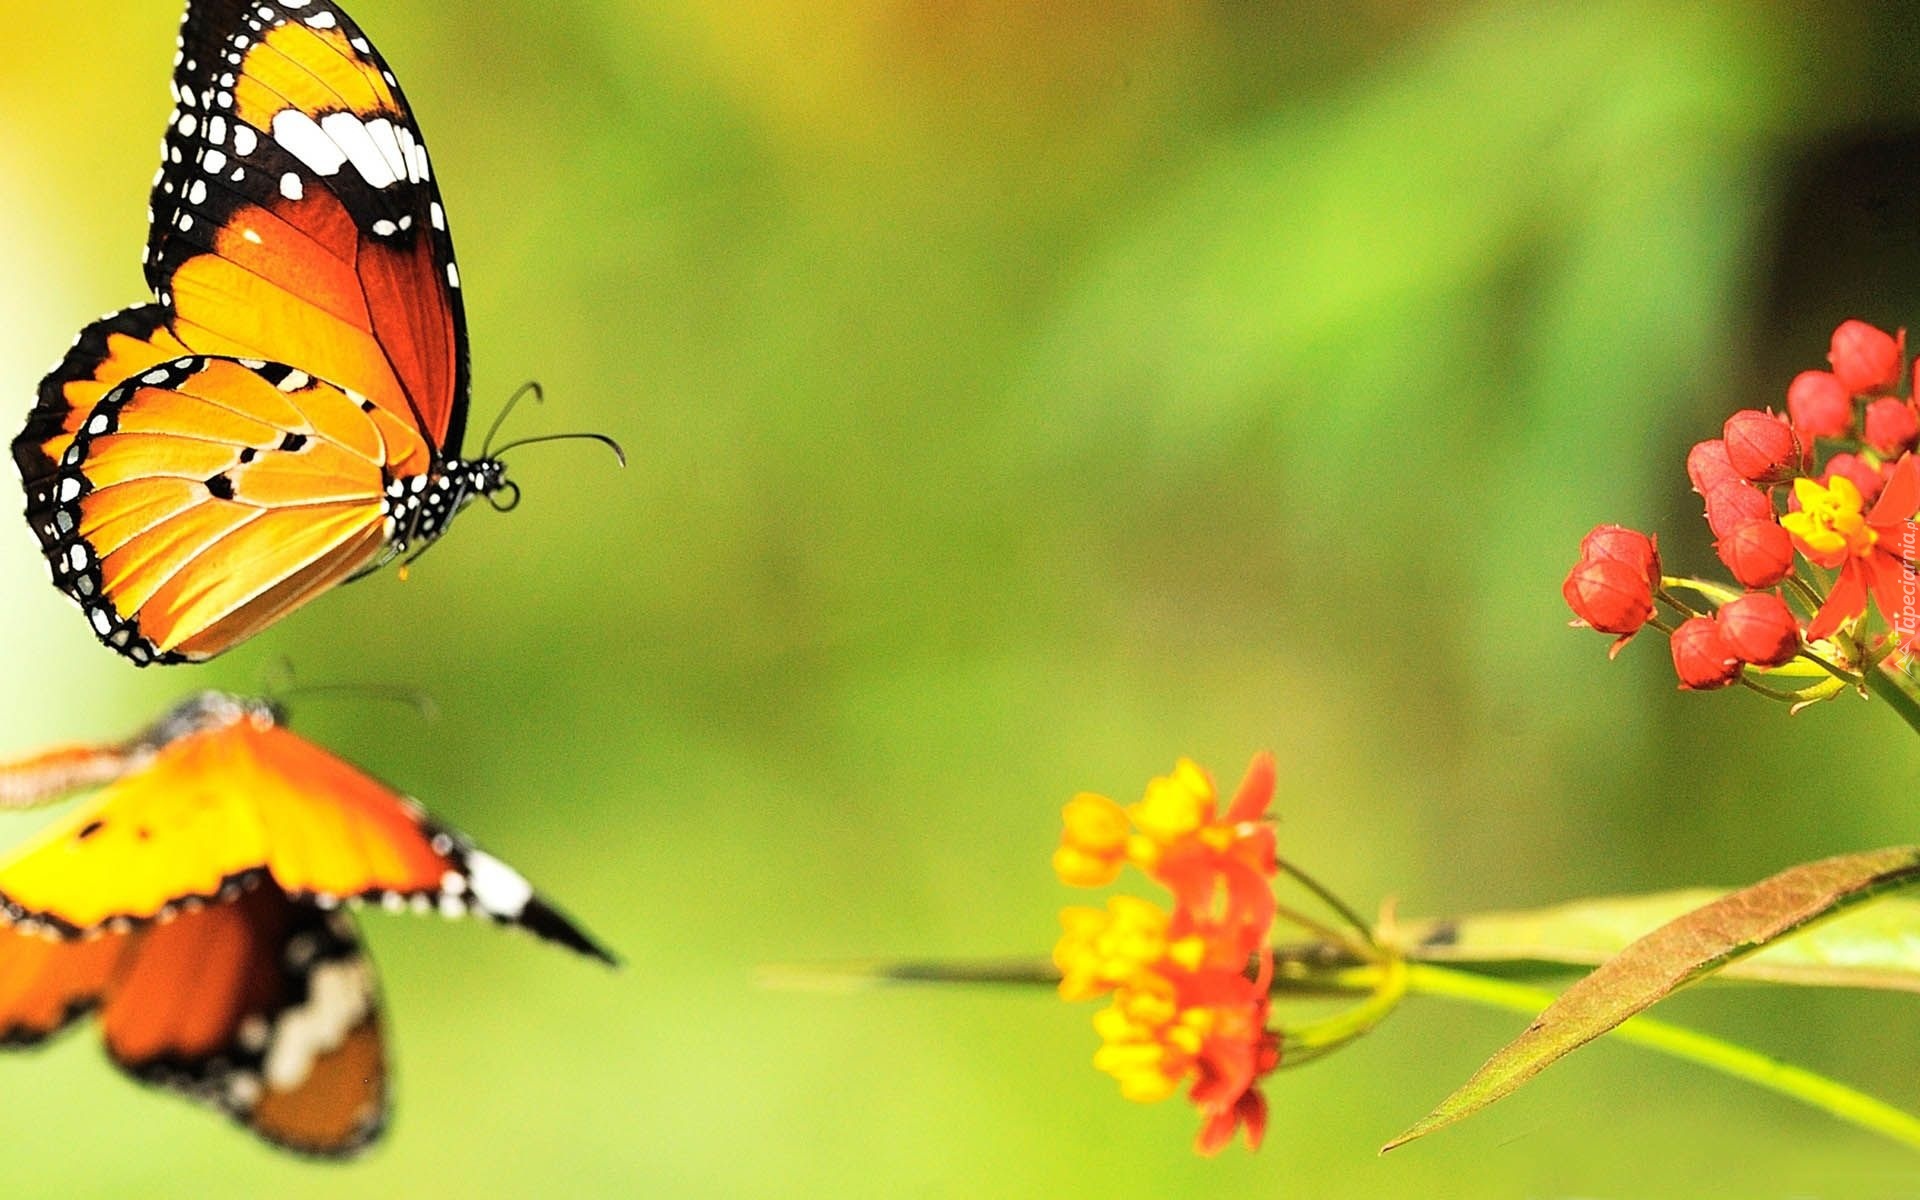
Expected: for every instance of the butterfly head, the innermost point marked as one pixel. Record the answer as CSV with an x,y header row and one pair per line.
x,y
205,712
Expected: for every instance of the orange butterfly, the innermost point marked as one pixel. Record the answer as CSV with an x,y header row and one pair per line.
x,y
196,904
288,414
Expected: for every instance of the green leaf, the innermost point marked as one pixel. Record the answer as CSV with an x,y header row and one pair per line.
x,y
1679,952
1874,946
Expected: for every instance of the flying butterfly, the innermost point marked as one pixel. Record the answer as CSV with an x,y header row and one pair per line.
x,y
287,414
196,904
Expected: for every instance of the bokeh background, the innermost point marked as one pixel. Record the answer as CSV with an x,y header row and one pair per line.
x,y
1020,396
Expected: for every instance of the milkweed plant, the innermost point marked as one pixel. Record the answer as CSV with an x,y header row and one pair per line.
x,y
1813,514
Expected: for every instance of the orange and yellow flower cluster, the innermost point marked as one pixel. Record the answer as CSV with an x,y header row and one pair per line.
x,y
1189,984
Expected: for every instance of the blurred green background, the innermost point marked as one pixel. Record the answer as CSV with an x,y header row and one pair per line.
x,y
1020,396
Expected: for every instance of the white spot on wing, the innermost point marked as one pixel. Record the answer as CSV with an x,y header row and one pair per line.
x,y
356,140
497,888
308,142
338,996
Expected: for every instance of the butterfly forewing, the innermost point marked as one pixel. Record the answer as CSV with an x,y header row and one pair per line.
x,y
295,216
219,808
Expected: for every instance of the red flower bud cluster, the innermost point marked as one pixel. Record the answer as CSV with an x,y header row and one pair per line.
x,y
1755,448
1770,499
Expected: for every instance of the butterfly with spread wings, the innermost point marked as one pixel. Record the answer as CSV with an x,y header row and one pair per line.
x,y
196,905
288,413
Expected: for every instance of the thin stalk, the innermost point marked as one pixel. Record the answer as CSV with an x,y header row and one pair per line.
x,y
1746,682
1387,982
1801,588
1835,1099
1718,594
1327,897
1363,950
1838,672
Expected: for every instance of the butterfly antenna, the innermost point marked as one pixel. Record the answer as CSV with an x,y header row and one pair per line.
x,y
278,678
511,500
530,388
602,438
416,699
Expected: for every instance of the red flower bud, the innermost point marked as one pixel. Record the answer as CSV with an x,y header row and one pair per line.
x,y
1616,543
1865,476
1759,553
1701,656
1709,467
1866,359
1611,596
1760,629
1762,447
1891,426
1819,405
1734,504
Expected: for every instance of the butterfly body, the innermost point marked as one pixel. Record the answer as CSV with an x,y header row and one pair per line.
x,y
287,413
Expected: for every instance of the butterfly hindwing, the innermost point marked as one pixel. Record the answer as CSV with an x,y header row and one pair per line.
x,y
206,496
262,1007
47,983
259,1006
108,351
295,215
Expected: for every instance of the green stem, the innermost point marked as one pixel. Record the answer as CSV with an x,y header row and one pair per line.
x,y
1387,982
1838,672
1328,898
1882,684
1716,593
1362,950
1738,1062
1801,588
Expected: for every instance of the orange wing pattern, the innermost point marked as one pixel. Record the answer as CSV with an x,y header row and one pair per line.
x,y
111,349
260,1006
205,498
246,800
296,218
297,233
194,905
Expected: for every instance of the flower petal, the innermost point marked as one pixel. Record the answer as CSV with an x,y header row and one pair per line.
x,y
1847,599
1901,497
1256,790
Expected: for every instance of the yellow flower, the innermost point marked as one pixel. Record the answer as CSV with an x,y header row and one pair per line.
x,y
1175,806
1093,842
1831,525
1102,949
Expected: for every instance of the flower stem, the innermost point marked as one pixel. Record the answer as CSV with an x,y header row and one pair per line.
x,y
1801,588
1387,982
1882,684
1362,949
1327,897
1716,594
1833,1098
